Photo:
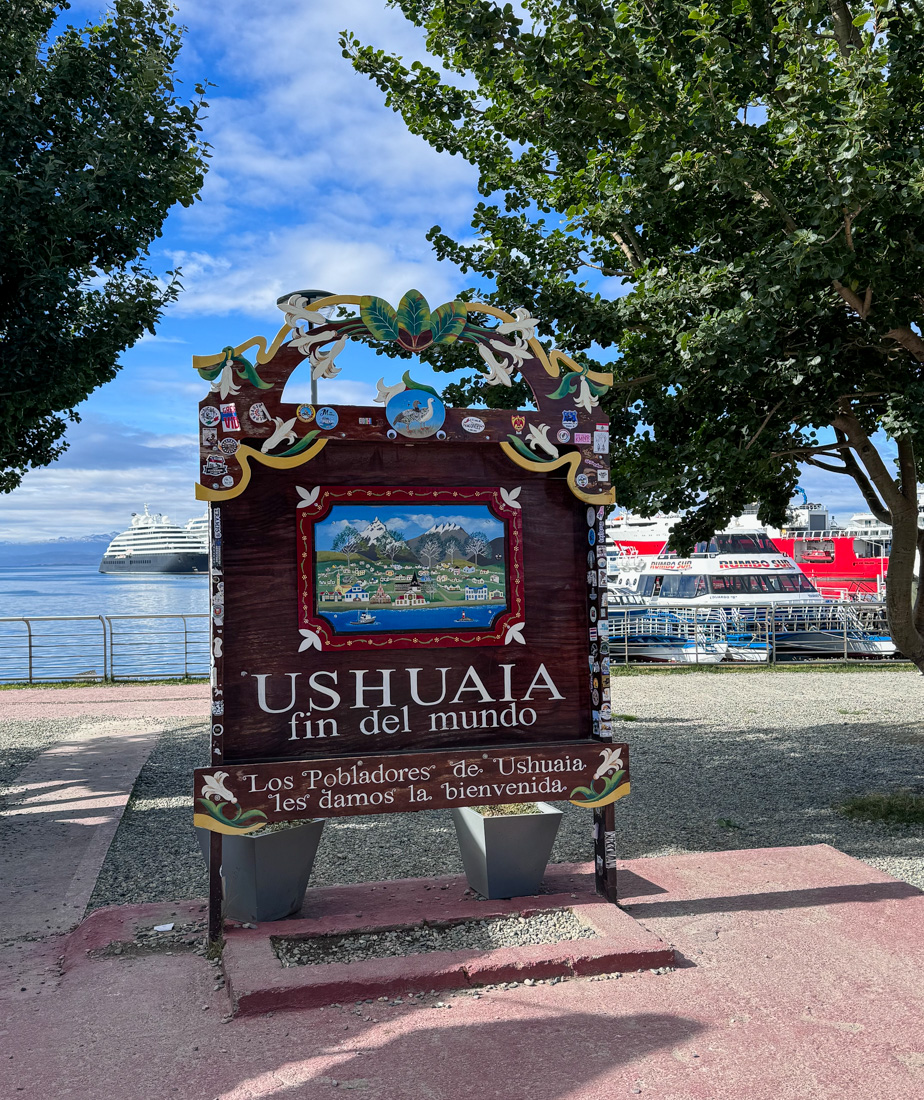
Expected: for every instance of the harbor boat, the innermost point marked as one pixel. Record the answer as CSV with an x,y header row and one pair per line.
x,y
846,561
639,632
155,545
364,618
740,588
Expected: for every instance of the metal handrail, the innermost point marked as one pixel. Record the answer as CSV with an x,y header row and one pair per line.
x,y
52,656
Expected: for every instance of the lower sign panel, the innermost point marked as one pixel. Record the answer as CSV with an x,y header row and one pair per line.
x,y
241,798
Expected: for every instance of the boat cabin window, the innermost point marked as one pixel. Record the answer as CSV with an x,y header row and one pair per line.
x,y
751,584
754,543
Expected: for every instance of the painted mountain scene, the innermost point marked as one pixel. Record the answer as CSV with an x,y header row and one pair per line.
x,y
409,567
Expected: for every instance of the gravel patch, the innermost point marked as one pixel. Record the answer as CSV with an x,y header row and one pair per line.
x,y
154,855
553,926
748,760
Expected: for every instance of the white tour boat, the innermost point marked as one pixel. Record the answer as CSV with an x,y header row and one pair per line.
x,y
737,588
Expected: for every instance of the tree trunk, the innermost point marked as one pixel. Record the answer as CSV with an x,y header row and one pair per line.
x,y
900,498
901,612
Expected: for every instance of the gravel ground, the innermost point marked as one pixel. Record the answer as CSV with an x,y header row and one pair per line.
x,y
553,926
719,761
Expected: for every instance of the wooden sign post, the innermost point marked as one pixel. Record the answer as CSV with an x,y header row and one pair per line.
x,y
408,600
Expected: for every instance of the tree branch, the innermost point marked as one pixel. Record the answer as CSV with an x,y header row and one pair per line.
x,y
845,33
909,340
865,486
860,308
753,438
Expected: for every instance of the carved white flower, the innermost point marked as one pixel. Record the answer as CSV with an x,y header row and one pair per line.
x,y
515,634
612,762
282,434
322,362
386,393
538,439
309,496
499,374
214,787
524,323
584,399
509,497
310,640
295,307
306,341
224,383
216,647
518,350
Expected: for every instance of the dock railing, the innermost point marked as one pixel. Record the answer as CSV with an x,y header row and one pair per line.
x,y
36,649
843,630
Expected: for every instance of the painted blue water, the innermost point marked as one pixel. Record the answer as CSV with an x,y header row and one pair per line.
x,y
422,618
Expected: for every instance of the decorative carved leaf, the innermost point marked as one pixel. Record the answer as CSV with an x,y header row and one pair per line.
x,y
379,317
509,497
310,640
447,322
414,313
309,496
412,385
515,634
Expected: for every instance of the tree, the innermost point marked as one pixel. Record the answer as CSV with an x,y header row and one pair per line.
x,y
348,541
95,148
451,550
747,173
431,549
390,544
478,546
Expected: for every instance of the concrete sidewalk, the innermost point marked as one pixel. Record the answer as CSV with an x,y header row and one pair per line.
x,y
801,979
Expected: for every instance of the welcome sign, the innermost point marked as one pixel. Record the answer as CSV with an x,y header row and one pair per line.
x,y
408,600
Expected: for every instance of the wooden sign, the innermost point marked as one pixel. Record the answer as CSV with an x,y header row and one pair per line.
x,y
401,582
244,797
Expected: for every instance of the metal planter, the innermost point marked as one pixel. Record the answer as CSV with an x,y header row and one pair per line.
x,y
506,857
265,877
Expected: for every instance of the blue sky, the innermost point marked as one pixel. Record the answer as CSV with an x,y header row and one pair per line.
x,y
313,183
407,521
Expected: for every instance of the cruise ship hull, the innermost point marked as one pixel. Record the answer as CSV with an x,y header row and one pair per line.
x,y
147,562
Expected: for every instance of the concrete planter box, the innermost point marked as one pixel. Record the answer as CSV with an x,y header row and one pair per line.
x,y
506,857
265,877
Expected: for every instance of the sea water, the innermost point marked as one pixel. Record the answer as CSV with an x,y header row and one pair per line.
x,y
64,647
83,590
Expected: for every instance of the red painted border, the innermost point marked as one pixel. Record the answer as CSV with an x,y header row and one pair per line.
x,y
327,496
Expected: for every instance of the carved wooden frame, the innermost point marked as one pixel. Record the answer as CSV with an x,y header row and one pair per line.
x,y
507,511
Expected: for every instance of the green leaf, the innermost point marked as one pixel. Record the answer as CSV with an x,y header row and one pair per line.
x,y
533,456
447,322
379,318
414,313
247,370
412,385
300,446
565,386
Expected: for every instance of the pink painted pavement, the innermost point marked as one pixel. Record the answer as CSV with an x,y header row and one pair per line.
x,y
57,825
801,977
112,701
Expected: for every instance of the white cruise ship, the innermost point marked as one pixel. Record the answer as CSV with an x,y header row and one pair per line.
x,y
155,545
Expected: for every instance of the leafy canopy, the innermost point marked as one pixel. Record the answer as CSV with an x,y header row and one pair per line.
x,y
96,145
752,173
748,176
